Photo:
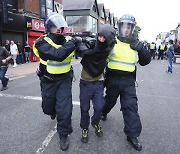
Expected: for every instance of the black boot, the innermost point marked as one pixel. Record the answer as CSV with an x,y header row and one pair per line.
x,y
64,144
53,116
135,143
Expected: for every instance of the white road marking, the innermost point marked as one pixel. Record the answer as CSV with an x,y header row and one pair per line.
x,y
153,96
49,137
47,140
29,97
16,77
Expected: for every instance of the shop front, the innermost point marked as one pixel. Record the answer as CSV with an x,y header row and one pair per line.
x,y
35,29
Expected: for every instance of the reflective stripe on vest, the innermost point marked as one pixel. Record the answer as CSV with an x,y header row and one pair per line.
x,y
152,46
162,46
56,67
123,57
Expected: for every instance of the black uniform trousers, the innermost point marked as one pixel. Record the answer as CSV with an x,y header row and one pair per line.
x,y
57,99
91,91
161,54
125,87
153,53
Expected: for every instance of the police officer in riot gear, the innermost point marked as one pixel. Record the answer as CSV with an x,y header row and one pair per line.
x,y
121,76
55,73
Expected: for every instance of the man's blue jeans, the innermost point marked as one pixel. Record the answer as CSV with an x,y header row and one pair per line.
x,y
170,65
3,79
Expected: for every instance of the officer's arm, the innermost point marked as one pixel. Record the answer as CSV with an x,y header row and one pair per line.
x,y
144,57
48,52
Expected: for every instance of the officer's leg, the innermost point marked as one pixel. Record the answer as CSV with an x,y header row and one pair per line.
x,y
85,96
159,55
98,102
112,93
154,54
64,105
129,107
48,92
162,54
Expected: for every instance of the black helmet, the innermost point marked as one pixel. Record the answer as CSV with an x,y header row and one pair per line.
x,y
126,26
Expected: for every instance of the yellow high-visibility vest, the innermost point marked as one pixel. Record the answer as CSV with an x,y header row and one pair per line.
x,y
152,46
123,57
162,46
55,67
35,50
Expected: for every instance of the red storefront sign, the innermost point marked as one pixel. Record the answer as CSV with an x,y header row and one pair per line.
x,y
38,25
68,30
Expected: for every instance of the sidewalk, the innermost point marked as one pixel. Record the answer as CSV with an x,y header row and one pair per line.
x,y
28,68
22,69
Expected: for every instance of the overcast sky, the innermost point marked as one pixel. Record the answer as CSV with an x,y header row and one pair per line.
x,y
153,16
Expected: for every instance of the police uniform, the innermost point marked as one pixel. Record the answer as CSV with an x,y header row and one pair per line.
x,y
161,50
121,76
56,79
120,80
153,50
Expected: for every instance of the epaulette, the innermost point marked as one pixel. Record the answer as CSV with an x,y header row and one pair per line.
x,y
39,40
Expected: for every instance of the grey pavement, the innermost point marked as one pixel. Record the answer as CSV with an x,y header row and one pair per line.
x,y
24,129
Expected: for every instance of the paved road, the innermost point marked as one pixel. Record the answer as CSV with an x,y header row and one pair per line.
x,y
24,129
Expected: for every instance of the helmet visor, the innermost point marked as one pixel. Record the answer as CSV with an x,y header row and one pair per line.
x,y
57,20
126,29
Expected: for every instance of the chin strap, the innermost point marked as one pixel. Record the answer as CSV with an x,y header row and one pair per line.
x,y
124,39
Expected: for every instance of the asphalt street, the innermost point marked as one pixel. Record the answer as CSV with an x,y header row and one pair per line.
x,y
24,129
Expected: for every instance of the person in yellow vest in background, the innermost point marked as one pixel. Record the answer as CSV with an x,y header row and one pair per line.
x,y
55,73
161,50
120,78
153,50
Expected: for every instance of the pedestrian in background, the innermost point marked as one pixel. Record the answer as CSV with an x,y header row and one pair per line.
x,y
7,45
120,78
14,52
20,56
27,52
4,61
170,55
92,79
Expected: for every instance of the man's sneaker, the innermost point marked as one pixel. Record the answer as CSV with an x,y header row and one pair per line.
x,y
98,130
104,117
4,88
84,138
64,144
53,116
15,65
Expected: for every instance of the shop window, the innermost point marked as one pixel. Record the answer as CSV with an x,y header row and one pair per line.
x,y
82,23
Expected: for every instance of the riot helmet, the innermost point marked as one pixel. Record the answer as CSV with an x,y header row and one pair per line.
x,y
126,26
54,19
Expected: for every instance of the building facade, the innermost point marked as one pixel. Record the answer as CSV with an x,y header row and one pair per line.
x,y
82,16
27,22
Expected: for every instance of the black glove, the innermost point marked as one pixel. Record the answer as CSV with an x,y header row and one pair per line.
x,y
89,42
76,40
135,44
